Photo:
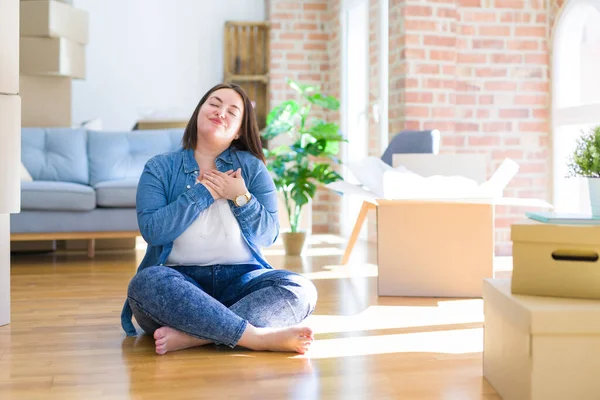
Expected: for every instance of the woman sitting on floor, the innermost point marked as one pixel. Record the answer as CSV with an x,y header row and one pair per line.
x,y
205,211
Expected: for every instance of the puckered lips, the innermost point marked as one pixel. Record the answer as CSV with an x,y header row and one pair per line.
x,y
216,121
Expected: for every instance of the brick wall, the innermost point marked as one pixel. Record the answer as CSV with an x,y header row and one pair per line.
x,y
303,36
477,70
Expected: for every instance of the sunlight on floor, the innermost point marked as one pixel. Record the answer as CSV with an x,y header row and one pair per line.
x,y
318,239
460,341
140,243
309,252
344,271
401,317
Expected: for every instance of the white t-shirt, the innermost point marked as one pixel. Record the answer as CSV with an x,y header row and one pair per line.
x,y
213,238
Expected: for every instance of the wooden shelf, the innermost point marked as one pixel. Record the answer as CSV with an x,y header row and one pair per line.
x,y
246,48
248,78
246,62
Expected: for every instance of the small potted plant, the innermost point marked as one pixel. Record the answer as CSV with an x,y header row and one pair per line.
x,y
585,162
308,161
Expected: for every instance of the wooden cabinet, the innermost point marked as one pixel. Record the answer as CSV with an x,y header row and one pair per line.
x,y
246,62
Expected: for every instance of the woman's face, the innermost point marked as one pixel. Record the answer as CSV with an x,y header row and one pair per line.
x,y
220,118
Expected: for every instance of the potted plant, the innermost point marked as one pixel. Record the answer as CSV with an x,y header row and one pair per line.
x,y
585,162
308,161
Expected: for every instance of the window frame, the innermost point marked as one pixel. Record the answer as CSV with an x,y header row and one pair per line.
x,y
567,27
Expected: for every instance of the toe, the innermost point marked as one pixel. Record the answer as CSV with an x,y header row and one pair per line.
x,y
161,341
159,333
307,332
302,349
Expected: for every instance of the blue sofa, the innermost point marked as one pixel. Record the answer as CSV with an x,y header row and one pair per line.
x,y
84,182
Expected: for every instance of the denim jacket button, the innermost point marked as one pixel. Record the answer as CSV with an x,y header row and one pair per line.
x,y
188,186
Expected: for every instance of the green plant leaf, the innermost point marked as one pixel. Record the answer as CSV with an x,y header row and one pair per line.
x,y
281,119
326,130
302,89
585,160
280,150
302,191
317,148
283,111
306,139
325,174
328,102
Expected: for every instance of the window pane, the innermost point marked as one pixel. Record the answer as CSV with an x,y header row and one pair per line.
x,y
590,58
577,57
570,193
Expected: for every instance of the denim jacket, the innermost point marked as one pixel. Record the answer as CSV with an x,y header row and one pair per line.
x,y
168,201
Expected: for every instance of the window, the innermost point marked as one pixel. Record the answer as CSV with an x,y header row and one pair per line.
x,y
576,95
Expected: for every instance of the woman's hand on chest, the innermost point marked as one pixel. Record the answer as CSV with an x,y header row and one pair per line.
x,y
227,185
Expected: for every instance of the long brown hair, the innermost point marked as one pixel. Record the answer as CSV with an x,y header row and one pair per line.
x,y
249,135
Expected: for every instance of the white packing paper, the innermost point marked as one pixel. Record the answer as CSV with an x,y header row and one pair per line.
x,y
378,180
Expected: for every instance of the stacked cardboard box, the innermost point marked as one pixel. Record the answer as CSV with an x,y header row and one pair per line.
x,y
542,326
53,35
10,141
52,46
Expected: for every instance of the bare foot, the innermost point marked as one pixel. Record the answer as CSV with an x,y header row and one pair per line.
x,y
295,338
169,339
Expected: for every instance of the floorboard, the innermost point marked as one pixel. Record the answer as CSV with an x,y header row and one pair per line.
x,y
65,339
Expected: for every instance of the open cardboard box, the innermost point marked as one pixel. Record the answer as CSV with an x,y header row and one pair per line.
x,y
435,220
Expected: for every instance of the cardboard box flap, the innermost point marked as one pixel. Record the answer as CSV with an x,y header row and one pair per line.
x,y
543,315
378,182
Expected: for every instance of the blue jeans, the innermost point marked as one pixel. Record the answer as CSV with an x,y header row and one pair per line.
x,y
216,303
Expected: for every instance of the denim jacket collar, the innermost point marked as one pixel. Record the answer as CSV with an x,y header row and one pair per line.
x,y
190,164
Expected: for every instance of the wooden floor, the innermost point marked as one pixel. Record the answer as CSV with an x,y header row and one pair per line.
x,y
65,340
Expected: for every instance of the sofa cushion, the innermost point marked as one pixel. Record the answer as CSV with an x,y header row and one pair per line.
x,y
55,154
57,196
97,220
122,155
116,193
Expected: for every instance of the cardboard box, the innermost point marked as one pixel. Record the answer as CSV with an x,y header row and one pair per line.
x,y
50,18
52,57
46,101
4,269
434,248
540,348
435,232
9,47
10,154
556,260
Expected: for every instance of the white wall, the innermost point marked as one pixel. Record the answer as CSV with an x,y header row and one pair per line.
x,y
153,56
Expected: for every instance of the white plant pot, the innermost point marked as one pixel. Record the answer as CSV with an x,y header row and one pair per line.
x,y
594,190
